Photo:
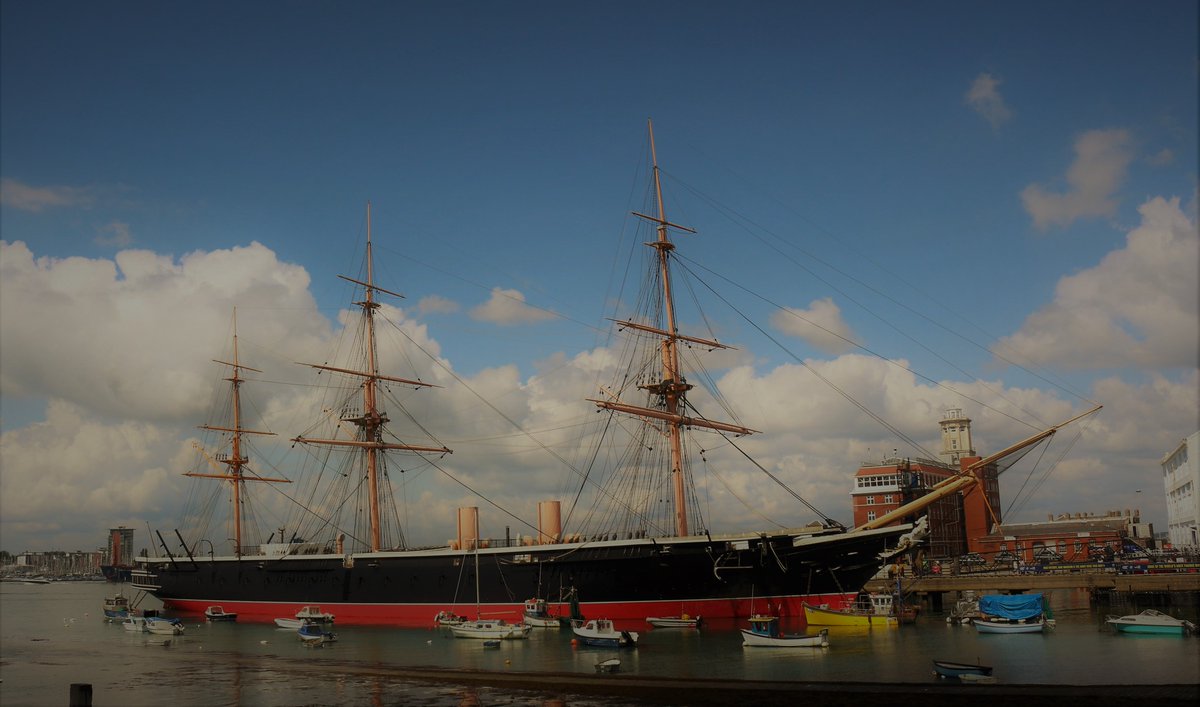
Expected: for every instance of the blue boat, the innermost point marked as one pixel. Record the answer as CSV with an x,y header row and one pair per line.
x,y
314,634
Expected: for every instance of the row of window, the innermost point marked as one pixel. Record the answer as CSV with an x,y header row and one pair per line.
x,y
1175,461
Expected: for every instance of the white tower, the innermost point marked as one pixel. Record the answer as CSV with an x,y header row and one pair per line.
x,y
956,436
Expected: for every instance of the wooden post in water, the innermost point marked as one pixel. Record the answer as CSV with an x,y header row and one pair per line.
x,y
81,694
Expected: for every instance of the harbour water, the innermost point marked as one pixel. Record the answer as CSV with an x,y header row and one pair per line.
x,y
54,635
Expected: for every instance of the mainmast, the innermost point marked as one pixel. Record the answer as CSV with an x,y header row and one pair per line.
x,y
672,387
235,462
372,421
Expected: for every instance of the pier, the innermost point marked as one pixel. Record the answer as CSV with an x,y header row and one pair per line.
x,y
1177,586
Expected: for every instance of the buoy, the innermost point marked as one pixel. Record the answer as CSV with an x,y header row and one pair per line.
x,y
263,642
574,641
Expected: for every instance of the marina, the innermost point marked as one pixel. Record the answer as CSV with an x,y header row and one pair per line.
x,y
258,663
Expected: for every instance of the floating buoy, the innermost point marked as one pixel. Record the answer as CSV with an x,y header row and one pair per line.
x,y
263,643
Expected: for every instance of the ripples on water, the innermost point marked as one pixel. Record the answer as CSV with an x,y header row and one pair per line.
x,y
54,635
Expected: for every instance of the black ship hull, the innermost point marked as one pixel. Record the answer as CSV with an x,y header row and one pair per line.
x,y
726,577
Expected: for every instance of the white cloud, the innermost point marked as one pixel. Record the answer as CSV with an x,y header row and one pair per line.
x,y
24,197
984,98
821,325
1137,307
435,304
1101,160
507,308
132,336
116,234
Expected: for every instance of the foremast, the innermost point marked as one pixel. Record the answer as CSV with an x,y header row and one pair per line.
x,y
372,422
672,387
235,461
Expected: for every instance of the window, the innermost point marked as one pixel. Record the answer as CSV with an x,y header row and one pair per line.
x,y
887,498
870,515
871,502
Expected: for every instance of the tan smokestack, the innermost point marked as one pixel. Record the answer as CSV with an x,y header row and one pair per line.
x,y
549,522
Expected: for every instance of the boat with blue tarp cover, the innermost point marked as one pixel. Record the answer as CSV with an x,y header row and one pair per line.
x,y
1012,613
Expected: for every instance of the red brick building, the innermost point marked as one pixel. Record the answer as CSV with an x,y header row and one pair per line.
x,y
886,485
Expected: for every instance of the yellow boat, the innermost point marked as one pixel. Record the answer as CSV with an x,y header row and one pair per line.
x,y
828,617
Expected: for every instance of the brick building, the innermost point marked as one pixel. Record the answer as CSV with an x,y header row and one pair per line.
x,y
881,487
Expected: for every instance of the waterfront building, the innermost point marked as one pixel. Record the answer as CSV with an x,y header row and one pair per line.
x,y
883,486
1078,537
1181,481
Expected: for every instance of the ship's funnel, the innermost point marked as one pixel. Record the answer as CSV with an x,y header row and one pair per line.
x,y
468,527
549,522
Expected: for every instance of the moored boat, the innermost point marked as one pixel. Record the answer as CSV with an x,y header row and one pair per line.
x,y
538,615
765,631
314,634
490,629
134,624
218,614
287,623
817,616
313,614
1151,621
683,621
1012,613
164,626
448,618
611,665
116,606
951,669
601,633
1037,625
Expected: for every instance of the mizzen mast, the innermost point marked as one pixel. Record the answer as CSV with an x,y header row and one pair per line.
x,y
235,461
672,387
372,421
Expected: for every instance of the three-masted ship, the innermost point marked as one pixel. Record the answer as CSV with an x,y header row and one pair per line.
x,y
644,566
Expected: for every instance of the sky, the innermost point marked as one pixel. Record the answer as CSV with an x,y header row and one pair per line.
x,y
987,206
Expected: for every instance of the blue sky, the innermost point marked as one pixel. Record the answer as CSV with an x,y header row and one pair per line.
x,y
970,157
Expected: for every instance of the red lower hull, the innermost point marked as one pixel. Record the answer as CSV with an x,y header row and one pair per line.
x,y
421,615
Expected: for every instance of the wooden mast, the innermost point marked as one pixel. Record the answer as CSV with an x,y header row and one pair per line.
x,y
672,386
372,421
235,461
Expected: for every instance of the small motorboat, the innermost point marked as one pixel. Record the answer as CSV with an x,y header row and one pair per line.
x,y
448,618
537,615
116,607
134,624
314,634
951,669
683,621
492,643
611,665
315,615
216,613
292,624
600,632
1151,621
764,632
164,626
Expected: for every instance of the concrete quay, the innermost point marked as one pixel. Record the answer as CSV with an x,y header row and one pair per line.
x,y
1010,582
